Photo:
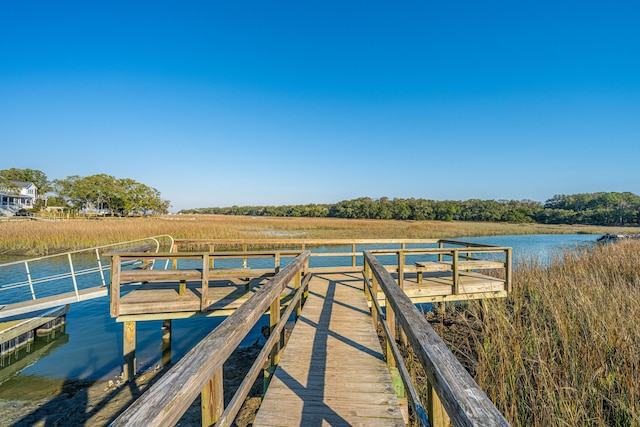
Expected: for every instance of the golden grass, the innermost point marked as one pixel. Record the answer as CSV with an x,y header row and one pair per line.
x,y
563,348
46,237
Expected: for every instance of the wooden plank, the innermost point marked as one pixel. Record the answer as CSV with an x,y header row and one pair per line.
x,y
332,369
159,275
30,306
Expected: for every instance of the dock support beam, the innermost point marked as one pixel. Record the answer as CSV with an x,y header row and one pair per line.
x,y
166,342
129,350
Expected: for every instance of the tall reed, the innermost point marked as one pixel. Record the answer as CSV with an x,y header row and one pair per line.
x,y
45,237
564,347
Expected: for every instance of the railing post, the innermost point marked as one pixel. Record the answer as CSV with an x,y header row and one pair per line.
x,y
73,277
212,400
212,249
297,281
401,264
390,318
374,296
508,272
366,273
104,283
440,245
205,283
115,285
401,261
274,318
437,414
456,275
26,267
276,263
353,256
174,263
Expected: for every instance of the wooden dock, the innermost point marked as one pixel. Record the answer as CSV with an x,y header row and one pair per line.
x,y
332,371
342,364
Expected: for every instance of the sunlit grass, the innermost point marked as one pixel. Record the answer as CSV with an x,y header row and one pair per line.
x,y
46,237
562,349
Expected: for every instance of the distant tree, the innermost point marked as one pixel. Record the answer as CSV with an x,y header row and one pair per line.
x,y
35,176
105,192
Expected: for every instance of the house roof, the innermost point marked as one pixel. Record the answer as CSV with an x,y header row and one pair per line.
x,y
23,184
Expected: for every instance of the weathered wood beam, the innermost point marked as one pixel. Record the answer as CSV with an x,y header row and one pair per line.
x,y
166,401
465,403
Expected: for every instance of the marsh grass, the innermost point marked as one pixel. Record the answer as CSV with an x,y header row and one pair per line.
x,y
563,348
46,237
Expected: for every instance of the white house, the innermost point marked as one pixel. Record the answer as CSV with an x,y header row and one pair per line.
x,y
12,200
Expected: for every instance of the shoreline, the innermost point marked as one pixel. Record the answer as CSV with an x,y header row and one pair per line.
x,y
98,403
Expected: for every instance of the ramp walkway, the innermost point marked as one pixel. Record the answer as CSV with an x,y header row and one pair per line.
x,y
332,371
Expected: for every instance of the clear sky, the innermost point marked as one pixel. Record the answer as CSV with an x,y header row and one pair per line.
x,y
275,102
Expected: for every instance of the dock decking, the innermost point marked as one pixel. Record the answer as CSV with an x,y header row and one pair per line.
x,y
332,371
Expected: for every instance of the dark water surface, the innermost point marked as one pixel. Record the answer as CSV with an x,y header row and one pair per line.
x,y
90,348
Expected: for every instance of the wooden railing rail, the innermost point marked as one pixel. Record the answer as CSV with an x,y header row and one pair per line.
x,y
200,370
203,274
456,255
454,390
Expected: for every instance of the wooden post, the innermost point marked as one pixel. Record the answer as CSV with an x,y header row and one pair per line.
x,y
115,285
166,342
277,263
391,322
508,270
401,263
374,296
297,282
305,271
366,273
183,288
212,400
401,269
440,245
437,415
456,278
174,263
129,350
204,295
353,257
274,318
212,249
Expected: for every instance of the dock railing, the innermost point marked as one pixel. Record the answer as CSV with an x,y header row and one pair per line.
x,y
204,272
453,395
200,370
39,283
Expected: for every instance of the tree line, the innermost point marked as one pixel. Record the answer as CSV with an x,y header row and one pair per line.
x,y
604,208
95,193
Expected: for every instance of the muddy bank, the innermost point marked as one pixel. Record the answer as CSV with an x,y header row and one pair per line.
x,y
97,403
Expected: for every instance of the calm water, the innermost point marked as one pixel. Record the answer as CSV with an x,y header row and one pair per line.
x,y
91,345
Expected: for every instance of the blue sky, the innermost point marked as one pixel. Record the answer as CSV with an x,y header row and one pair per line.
x,y
268,103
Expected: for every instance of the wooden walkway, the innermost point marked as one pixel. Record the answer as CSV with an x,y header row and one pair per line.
x,y
332,371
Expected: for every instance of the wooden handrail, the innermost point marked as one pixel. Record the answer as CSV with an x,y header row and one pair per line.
x,y
465,403
167,400
299,241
